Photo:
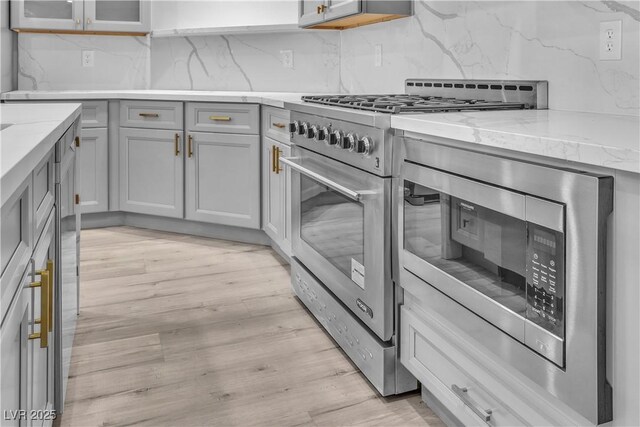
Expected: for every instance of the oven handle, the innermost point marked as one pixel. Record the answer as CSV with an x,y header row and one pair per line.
x,y
352,194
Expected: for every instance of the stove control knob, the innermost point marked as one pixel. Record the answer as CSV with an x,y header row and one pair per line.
x,y
350,142
364,146
294,126
322,134
312,132
303,129
335,138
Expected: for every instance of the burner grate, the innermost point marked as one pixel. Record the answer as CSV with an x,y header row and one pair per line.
x,y
399,104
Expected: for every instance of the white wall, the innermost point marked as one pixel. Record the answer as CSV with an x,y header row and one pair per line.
x,y
8,51
172,14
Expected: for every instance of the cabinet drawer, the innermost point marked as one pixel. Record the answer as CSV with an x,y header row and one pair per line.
x,y
95,114
430,358
275,124
151,114
67,143
43,192
16,227
223,118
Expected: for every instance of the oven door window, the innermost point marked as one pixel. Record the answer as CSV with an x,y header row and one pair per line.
x,y
333,225
480,247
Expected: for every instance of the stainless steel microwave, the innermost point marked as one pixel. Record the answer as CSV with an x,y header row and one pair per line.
x,y
522,247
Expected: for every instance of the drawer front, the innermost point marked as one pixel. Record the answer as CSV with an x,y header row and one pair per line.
x,y
275,124
66,145
151,114
16,227
94,114
223,118
43,192
426,354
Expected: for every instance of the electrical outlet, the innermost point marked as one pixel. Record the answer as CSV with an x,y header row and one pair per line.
x,y
88,58
610,40
378,55
286,57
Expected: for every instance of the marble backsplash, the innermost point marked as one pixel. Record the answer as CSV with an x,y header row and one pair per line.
x,y
543,40
53,62
247,62
539,40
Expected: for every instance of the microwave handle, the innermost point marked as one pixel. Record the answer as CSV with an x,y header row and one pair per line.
x,y
352,194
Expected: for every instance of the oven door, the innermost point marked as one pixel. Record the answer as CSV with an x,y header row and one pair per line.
x,y
341,230
499,253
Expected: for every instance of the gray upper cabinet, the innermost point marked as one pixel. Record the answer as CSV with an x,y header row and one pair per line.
x,y
344,14
47,15
311,12
92,16
151,172
127,16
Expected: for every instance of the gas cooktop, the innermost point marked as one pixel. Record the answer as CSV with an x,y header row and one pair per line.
x,y
435,96
397,104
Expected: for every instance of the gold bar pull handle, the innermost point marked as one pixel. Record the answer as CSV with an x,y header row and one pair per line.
x,y
279,125
278,169
150,115
220,118
273,158
177,144
190,146
43,321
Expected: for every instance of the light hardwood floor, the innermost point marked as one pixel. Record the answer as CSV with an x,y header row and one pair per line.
x,y
182,330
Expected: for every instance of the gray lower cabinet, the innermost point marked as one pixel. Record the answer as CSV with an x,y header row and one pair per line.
x,y
93,170
276,189
26,329
223,179
15,359
151,171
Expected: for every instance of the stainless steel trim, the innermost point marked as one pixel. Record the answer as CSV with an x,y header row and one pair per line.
x,y
498,199
484,414
544,212
352,194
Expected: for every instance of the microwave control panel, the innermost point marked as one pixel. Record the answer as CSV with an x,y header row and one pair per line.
x,y
545,278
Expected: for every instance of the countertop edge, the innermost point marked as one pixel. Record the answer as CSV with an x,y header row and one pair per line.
x,y
12,178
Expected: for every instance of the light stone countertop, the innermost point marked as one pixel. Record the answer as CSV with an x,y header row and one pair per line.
x,y
34,131
610,141
274,99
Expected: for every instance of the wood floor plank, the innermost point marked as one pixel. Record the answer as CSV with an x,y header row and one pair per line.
x,y
179,330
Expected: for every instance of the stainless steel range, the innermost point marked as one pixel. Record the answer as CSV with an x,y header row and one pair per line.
x,y
342,216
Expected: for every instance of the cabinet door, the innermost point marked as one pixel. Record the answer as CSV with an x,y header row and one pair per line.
x,y
223,179
14,361
93,171
47,14
151,172
341,8
131,16
276,188
310,12
42,357
272,195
